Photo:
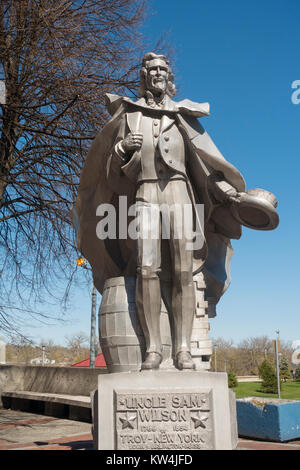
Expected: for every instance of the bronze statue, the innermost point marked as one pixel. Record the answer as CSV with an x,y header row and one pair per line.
x,y
155,152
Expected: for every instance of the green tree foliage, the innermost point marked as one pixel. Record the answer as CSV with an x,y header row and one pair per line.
x,y
232,380
268,375
284,369
297,373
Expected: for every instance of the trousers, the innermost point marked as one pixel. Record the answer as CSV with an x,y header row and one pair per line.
x,y
164,210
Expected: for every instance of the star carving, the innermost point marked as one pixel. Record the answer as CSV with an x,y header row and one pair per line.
x,y
199,421
128,422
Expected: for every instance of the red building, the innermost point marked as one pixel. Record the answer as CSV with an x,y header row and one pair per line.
x,y
99,362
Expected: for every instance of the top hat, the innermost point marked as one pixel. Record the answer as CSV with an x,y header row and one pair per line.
x,y
256,209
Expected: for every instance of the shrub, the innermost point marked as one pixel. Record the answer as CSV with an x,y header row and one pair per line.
x,y
232,380
268,375
284,369
297,373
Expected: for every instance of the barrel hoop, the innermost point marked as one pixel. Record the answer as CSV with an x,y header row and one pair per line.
x,y
116,308
119,341
119,281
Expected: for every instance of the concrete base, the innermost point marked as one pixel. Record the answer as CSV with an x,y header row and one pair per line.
x,y
164,409
268,418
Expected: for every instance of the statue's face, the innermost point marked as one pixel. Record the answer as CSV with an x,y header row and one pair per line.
x,y
157,77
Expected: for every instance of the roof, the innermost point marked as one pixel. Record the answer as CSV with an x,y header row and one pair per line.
x,y
99,362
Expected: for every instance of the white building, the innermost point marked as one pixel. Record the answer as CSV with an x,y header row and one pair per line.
x,y
39,361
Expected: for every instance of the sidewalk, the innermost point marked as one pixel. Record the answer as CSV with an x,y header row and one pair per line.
x,y
28,431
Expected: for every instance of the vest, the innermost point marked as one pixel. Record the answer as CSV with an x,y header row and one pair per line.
x,y
163,150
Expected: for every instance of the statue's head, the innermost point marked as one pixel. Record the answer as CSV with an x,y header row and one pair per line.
x,y
156,76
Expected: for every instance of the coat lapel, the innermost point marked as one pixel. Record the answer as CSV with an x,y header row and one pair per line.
x,y
165,123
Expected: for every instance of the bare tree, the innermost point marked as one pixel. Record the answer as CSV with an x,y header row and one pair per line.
x,y
57,59
21,350
247,356
224,354
252,352
78,344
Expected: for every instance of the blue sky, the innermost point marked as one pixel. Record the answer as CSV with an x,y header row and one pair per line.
x,y
242,58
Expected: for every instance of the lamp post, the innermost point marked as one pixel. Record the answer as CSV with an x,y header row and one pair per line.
x,y
277,362
43,354
82,262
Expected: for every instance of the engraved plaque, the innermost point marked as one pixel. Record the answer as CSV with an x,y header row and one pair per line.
x,y
165,419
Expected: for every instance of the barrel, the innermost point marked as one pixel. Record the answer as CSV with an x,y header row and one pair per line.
x,y
121,337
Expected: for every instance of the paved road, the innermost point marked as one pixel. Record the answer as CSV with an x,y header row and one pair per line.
x,y
28,431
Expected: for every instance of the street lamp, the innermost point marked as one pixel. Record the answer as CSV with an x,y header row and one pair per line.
x,y
82,263
277,362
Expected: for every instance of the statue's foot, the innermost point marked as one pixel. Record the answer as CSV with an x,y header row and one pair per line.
x,y
184,360
152,361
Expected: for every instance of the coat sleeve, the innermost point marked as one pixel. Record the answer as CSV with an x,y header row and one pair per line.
x,y
219,187
210,155
117,161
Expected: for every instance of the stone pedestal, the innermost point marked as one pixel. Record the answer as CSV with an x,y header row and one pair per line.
x,y
164,409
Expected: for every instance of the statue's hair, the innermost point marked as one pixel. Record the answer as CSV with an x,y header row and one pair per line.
x,y
171,89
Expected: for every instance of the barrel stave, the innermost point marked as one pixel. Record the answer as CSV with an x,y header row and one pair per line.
x,y
121,337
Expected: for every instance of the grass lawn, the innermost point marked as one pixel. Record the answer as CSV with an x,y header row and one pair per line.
x,y
290,390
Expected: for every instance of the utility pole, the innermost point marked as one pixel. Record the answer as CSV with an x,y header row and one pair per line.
x,y
43,354
277,362
82,262
93,328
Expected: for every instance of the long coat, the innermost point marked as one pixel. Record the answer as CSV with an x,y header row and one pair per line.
x,y
103,180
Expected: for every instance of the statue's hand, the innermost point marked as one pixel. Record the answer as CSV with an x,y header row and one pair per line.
x,y
132,142
233,196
